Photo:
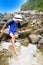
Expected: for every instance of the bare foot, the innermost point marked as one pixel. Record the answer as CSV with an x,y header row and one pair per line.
x,y
17,53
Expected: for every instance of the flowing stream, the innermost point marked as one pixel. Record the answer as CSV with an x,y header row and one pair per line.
x,y
29,55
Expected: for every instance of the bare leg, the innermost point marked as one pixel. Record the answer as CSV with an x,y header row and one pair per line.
x,y
13,43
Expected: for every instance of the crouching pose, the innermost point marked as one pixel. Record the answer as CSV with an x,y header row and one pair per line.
x,y
14,25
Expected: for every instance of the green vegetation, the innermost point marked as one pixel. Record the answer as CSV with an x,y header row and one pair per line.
x,y
33,5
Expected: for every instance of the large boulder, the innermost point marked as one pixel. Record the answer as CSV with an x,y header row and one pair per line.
x,y
24,33
4,55
34,38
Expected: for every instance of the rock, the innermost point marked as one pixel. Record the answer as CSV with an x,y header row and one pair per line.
x,y
1,16
34,38
1,24
4,55
39,31
34,21
24,33
24,24
41,23
4,37
25,41
40,43
7,16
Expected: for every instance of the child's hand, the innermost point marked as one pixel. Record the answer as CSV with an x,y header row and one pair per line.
x,y
22,31
1,31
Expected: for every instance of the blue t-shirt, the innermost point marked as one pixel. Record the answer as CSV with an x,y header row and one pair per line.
x,y
13,26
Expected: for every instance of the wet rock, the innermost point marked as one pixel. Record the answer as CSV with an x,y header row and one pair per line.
x,y
40,44
25,41
4,55
40,58
34,38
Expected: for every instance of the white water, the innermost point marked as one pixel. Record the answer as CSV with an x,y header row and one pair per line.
x,y
26,54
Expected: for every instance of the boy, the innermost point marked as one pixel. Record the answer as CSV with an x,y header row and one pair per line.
x,y
14,25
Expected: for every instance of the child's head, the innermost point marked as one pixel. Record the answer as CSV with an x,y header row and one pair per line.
x,y
17,18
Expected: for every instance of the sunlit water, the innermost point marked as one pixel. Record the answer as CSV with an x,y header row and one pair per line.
x,y
28,55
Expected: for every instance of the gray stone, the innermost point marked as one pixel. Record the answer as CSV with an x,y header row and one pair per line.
x,y
40,44
39,31
41,41
34,38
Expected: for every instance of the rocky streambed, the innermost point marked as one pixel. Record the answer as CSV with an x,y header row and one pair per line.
x,y
29,54
29,43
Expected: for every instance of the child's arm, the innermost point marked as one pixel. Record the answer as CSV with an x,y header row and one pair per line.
x,y
6,24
